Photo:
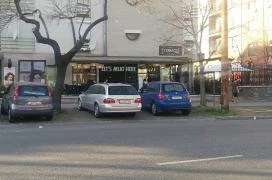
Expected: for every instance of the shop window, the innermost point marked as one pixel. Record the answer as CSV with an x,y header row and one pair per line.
x,y
32,70
83,73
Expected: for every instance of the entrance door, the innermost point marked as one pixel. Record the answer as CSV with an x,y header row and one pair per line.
x,y
153,73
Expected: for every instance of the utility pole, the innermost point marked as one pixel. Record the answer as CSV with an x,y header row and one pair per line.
x,y
225,64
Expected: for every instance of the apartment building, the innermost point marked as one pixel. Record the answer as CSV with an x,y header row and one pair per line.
x,y
133,44
249,36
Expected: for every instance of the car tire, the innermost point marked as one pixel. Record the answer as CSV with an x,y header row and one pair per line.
x,y
97,112
3,111
49,117
11,116
154,109
185,112
79,105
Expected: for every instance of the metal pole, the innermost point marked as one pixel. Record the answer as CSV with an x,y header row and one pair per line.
x,y
225,65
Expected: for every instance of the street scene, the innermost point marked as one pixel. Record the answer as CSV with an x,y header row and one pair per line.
x,y
121,148
135,89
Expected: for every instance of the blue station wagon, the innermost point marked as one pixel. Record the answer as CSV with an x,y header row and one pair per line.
x,y
166,96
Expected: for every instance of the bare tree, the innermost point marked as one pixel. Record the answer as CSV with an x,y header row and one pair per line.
x,y
61,60
191,19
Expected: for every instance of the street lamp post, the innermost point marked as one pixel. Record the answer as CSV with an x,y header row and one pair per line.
x,y
225,65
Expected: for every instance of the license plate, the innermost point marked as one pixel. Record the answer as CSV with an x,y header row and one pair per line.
x,y
176,97
124,101
34,103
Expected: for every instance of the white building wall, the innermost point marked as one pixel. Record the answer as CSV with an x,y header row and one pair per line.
x,y
59,30
146,19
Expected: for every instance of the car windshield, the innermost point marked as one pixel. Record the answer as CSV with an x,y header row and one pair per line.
x,y
172,87
33,91
122,90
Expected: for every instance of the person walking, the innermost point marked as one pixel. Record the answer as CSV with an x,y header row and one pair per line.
x,y
235,90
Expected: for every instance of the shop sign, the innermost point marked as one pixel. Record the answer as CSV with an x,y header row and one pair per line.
x,y
118,69
170,51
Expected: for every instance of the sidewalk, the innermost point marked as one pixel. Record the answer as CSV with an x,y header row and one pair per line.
x,y
243,108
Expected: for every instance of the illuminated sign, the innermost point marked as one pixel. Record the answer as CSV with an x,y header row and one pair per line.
x,y
118,69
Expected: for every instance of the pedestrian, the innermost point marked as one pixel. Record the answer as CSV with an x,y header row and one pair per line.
x,y
144,86
235,90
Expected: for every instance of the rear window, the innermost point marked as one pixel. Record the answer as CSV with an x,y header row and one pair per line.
x,y
173,87
122,90
33,91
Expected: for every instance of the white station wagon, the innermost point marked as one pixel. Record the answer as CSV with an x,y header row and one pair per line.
x,y
104,98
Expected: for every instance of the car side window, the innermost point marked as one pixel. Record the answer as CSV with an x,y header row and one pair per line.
x,y
92,90
152,88
101,90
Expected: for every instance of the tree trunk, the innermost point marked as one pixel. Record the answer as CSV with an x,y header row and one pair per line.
x,y
202,85
61,72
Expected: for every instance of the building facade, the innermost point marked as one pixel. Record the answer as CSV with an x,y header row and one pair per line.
x,y
132,45
249,38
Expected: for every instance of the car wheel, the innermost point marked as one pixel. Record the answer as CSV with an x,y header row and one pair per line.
x,y
154,109
49,117
97,112
11,116
185,112
79,105
3,111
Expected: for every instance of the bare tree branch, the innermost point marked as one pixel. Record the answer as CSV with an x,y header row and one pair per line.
x,y
36,30
83,19
73,30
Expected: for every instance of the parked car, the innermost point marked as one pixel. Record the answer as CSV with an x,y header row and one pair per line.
x,y
27,99
110,98
166,96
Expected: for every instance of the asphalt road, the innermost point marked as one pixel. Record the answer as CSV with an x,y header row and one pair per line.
x,y
137,149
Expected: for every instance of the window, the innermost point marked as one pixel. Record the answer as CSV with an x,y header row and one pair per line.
x,y
33,91
83,2
82,7
172,87
94,89
32,70
122,90
101,90
152,88
83,73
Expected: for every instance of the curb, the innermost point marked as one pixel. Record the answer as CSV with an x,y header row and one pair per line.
x,y
244,118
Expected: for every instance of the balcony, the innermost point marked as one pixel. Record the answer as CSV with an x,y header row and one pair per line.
x,y
9,44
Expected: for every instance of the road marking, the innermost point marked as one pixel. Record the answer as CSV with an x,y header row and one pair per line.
x,y
198,160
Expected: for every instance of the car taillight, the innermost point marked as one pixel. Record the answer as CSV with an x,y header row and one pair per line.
x,y
138,100
109,101
16,92
160,96
49,91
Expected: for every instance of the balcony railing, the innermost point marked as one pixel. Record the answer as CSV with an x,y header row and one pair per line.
x,y
19,45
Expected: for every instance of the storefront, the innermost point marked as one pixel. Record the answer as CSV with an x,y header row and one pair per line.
x,y
84,73
132,70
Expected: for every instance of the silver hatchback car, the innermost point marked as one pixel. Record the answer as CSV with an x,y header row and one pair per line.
x,y
27,99
110,98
